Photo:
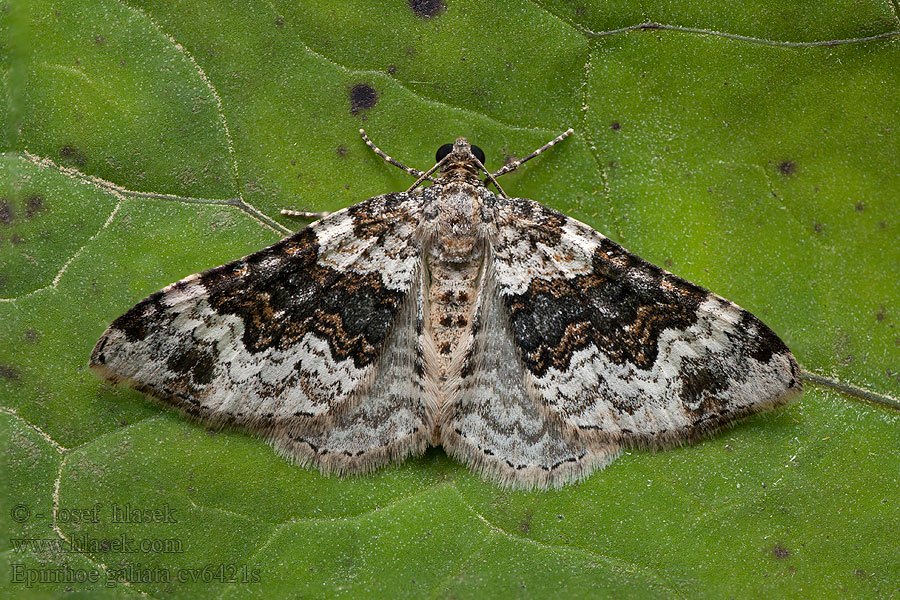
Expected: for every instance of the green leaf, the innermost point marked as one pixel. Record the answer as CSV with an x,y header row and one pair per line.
x,y
748,147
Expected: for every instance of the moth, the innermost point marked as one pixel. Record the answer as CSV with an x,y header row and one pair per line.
x,y
527,344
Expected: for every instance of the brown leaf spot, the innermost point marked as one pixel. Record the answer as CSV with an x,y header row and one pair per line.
x,y
9,373
525,523
6,214
615,126
34,204
72,155
362,97
427,9
787,167
780,551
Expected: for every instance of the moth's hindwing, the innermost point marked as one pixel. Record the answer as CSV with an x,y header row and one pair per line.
x,y
309,341
621,350
491,421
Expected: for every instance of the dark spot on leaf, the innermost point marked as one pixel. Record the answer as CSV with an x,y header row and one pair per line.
x,y
427,8
279,20
879,316
860,207
342,150
667,263
818,227
362,96
99,39
34,204
6,213
780,551
9,373
32,336
525,524
615,126
392,69
72,155
787,167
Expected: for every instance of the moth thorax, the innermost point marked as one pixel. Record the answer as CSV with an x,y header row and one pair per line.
x,y
458,224
464,171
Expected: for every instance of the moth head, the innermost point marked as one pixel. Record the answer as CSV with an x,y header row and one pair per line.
x,y
462,151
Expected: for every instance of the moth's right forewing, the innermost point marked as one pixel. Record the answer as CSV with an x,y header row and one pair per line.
x,y
622,350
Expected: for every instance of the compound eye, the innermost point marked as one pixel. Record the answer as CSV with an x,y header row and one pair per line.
x,y
479,153
443,151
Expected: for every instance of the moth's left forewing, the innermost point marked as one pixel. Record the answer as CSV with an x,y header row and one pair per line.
x,y
622,350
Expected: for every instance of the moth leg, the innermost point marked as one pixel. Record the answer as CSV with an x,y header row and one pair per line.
x,y
414,172
512,166
303,214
